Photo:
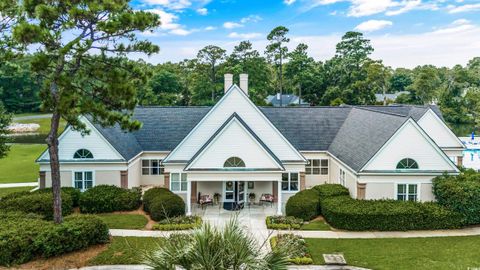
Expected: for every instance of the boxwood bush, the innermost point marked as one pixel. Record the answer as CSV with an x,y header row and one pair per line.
x,y
151,194
331,190
166,205
105,199
283,223
343,212
460,193
37,203
304,204
179,223
26,236
73,192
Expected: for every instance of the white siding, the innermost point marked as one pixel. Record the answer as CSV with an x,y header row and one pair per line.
x,y
438,131
312,180
71,141
409,142
235,101
234,141
384,186
350,178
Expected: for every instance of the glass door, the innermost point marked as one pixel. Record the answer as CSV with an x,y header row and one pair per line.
x,y
229,191
241,192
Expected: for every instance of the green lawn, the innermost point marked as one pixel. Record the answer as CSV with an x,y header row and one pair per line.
x,y
6,191
19,164
436,253
126,250
124,221
316,225
44,124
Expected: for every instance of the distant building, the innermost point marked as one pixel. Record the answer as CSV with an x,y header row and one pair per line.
x,y
286,100
380,97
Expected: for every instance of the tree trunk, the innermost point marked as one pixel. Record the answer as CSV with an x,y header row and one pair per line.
x,y
281,81
52,142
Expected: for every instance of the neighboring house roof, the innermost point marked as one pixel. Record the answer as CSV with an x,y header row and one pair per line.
x,y
286,100
380,96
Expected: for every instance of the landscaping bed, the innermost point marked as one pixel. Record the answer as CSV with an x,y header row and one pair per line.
x,y
178,223
296,245
283,223
431,253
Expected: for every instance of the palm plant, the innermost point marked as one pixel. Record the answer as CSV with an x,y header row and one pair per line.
x,y
210,248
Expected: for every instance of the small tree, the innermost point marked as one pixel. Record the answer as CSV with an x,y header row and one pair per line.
x,y
5,120
79,54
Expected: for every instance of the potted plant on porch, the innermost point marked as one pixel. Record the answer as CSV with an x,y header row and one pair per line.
x,y
216,198
251,198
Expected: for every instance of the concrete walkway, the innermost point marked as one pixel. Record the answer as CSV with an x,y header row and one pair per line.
x,y
322,234
10,185
291,267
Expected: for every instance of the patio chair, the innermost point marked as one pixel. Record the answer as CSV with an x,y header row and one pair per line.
x,y
205,200
267,198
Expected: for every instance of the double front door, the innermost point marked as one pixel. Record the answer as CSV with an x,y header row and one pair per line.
x,y
233,195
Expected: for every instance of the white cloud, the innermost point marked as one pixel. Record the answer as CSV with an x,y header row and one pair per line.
x,y
289,2
373,25
180,32
251,18
210,28
457,26
231,25
167,19
463,8
170,4
410,5
244,35
202,11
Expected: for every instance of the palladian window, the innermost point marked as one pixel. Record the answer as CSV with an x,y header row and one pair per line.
x,y
234,162
83,154
407,164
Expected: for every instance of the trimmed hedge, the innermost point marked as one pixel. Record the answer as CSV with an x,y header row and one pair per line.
x,y
460,193
166,205
179,223
304,204
24,237
343,212
283,223
37,203
151,194
105,199
73,192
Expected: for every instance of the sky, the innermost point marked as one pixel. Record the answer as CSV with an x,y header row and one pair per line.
x,y
404,33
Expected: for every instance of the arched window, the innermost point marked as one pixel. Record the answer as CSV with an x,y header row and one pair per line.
x,y
407,163
83,154
234,162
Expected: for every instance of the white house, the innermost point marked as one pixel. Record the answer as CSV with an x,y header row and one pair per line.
x,y
236,148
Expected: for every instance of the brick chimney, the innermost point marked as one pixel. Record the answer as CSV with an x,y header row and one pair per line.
x,y
244,83
228,81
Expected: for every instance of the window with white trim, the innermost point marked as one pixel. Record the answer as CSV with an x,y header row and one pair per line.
x,y
83,154
407,192
178,182
290,181
317,166
83,180
342,177
152,167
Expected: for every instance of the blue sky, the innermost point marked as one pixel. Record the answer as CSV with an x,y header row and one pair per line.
x,y
404,33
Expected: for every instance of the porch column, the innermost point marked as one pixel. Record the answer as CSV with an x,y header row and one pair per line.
x,y
459,161
42,175
189,198
279,201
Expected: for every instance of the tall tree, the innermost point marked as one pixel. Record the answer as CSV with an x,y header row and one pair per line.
x,y
277,51
300,70
76,43
426,84
212,56
5,120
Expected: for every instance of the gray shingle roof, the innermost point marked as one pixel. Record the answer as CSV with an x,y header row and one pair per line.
x,y
351,133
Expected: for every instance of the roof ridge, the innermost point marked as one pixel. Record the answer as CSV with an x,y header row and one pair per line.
x,y
382,112
175,106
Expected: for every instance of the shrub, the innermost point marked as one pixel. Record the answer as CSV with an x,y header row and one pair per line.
x,y
166,206
331,190
305,204
152,193
38,203
73,192
343,212
75,233
179,223
24,237
294,245
460,193
283,223
105,199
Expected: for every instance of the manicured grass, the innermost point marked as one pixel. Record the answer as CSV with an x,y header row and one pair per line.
x,y
44,124
19,164
126,250
124,221
27,114
436,253
316,225
6,191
